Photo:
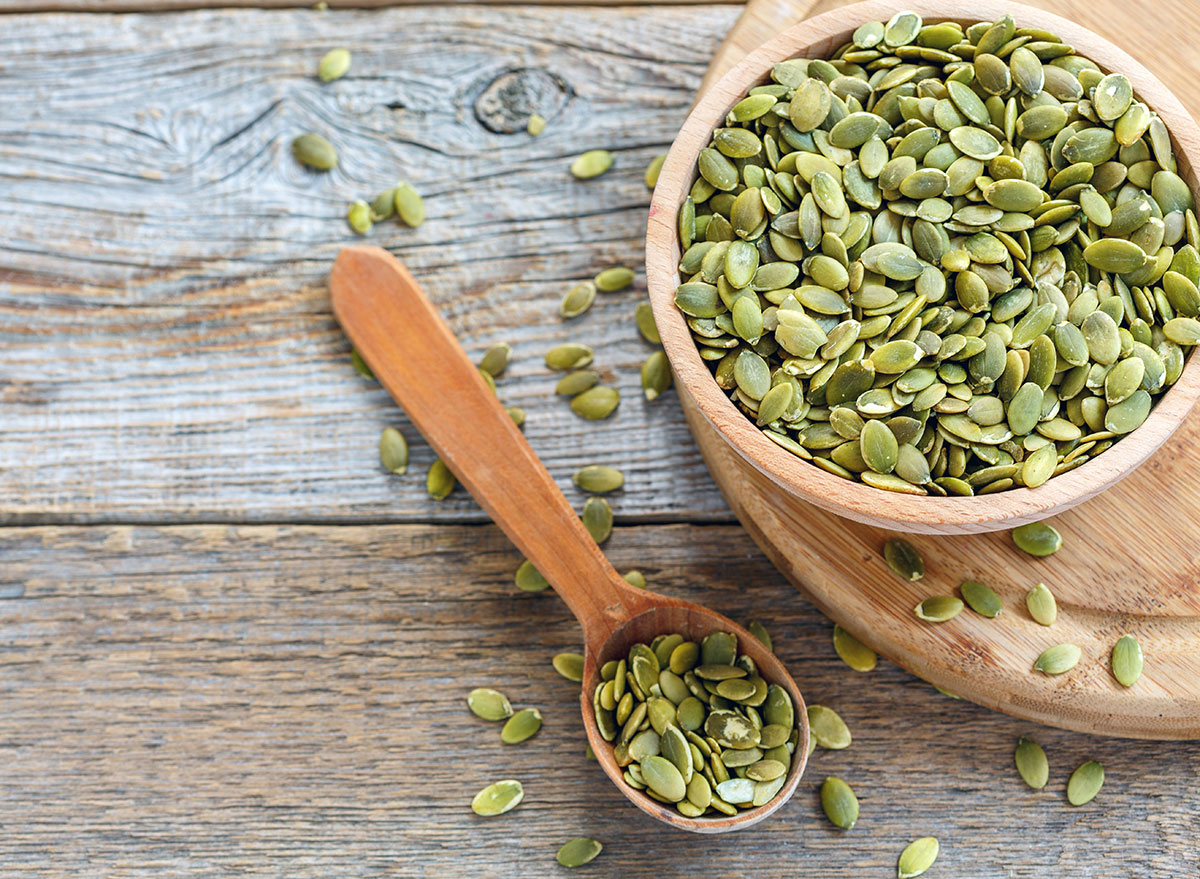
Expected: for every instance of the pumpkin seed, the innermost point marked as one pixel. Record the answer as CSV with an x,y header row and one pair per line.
x,y
410,208
599,479
439,481
1058,659
904,560
358,216
656,376
569,665
577,300
1085,782
521,726
393,451
591,164
1032,764
939,609
360,365
489,704
578,852
314,151
853,652
1127,660
1041,604
596,404
529,579
536,124
597,518
636,579
613,279
827,728
917,857
498,798
839,802
759,631
981,599
1037,539
334,65
644,317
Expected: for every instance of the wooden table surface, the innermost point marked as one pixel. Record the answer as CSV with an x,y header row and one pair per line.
x,y
230,644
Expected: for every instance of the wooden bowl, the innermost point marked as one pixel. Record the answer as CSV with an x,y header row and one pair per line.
x,y
718,425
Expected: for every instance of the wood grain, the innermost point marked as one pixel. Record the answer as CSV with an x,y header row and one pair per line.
x,y
166,344
208,701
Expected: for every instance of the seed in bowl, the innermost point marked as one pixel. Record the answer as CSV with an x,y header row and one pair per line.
x,y
694,726
946,260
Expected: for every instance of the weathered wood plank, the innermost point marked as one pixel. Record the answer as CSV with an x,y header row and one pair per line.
x,y
333,5
166,345
212,700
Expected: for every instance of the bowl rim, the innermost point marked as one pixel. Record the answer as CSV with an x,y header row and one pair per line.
x,y
853,499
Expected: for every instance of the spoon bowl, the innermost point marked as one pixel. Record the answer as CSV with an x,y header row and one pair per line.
x,y
417,359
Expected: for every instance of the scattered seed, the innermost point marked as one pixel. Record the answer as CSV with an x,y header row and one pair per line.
x,y
576,382
1058,659
904,560
596,403
569,665
577,300
578,852
496,359
334,65
1127,660
529,579
653,170
521,726
827,727
597,518
599,479
759,631
498,798
410,208
981,599
1032,763
489,704
656,375
614,279
853,652
393,451
939,609
1085,783
358,216
644,315
439,481
536,124
314,151
839,802
1037,539
917,857
569,356
1042,606
636,579
591,164
360,365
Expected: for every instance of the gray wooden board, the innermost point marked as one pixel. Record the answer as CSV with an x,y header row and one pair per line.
x,y
166,344
197,701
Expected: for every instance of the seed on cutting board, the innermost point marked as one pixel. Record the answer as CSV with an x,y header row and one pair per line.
x,y
1032,764
759,631
1127,660
596,404
656,375
334,65
644,317
653,170
903,558
917,857
489,704
981,599
853,652
496,359
315,152
597,518
578,852
577,300
636,579
498,798
529,579
569,665
536,124
1058,659
827,728
521,726
1042,606
571,355
938,608
393,451
599,479
410,208
1084,783
946,234
358,216
439,481
593,163
614,279
1037,539
839,802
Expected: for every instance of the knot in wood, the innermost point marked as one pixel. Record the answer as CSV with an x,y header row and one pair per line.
x,y
506,103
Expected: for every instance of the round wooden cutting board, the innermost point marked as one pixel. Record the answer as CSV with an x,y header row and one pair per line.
x,y
1130,562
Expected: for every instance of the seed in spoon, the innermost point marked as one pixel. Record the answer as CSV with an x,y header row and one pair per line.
x,y
1041,604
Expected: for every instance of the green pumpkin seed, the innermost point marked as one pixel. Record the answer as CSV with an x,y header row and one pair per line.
x,y
904,560
360,365
334,65
917,857
569,356
759,631
569,665
1037,539
839,802
827,728
529,579
1032,764
597,518
1127,660
1059,659
656,375
611,280
578,852
599,479
498,798
853,652
358,216
939,609
1085,782
439,481
521,726
596,403
1041,604
644,317
489,704
410,208
591,164
537,124
577,300
393,451
314,151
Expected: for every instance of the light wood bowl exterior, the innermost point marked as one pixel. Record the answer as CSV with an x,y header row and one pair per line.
x,y
717,423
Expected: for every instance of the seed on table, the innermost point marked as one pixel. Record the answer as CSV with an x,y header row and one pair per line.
x,y
599,479
839,802
569,665
489,704
591,164
614,279
939,608
569,356
360,365
393,451
577,382
577,300
536,124
597,518
644,317
521,726
1059,659
656,375
1085,782
488,379
981,599
334,65
358,216
917,857
596,404
498,798
1042,606
827,728
1037,539
517,414
1032,764
759,631
578,852
853,652
496,359
904,560
410,208
653,170
529,579
315,152
1127,660
636,579
439,481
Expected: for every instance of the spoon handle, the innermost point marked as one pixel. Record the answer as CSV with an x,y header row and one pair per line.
x,y
417,359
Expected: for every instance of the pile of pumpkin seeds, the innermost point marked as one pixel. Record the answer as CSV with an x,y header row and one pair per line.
x,y
944,261
695,726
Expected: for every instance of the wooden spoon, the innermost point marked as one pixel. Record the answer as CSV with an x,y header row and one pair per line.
x,y
416,358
